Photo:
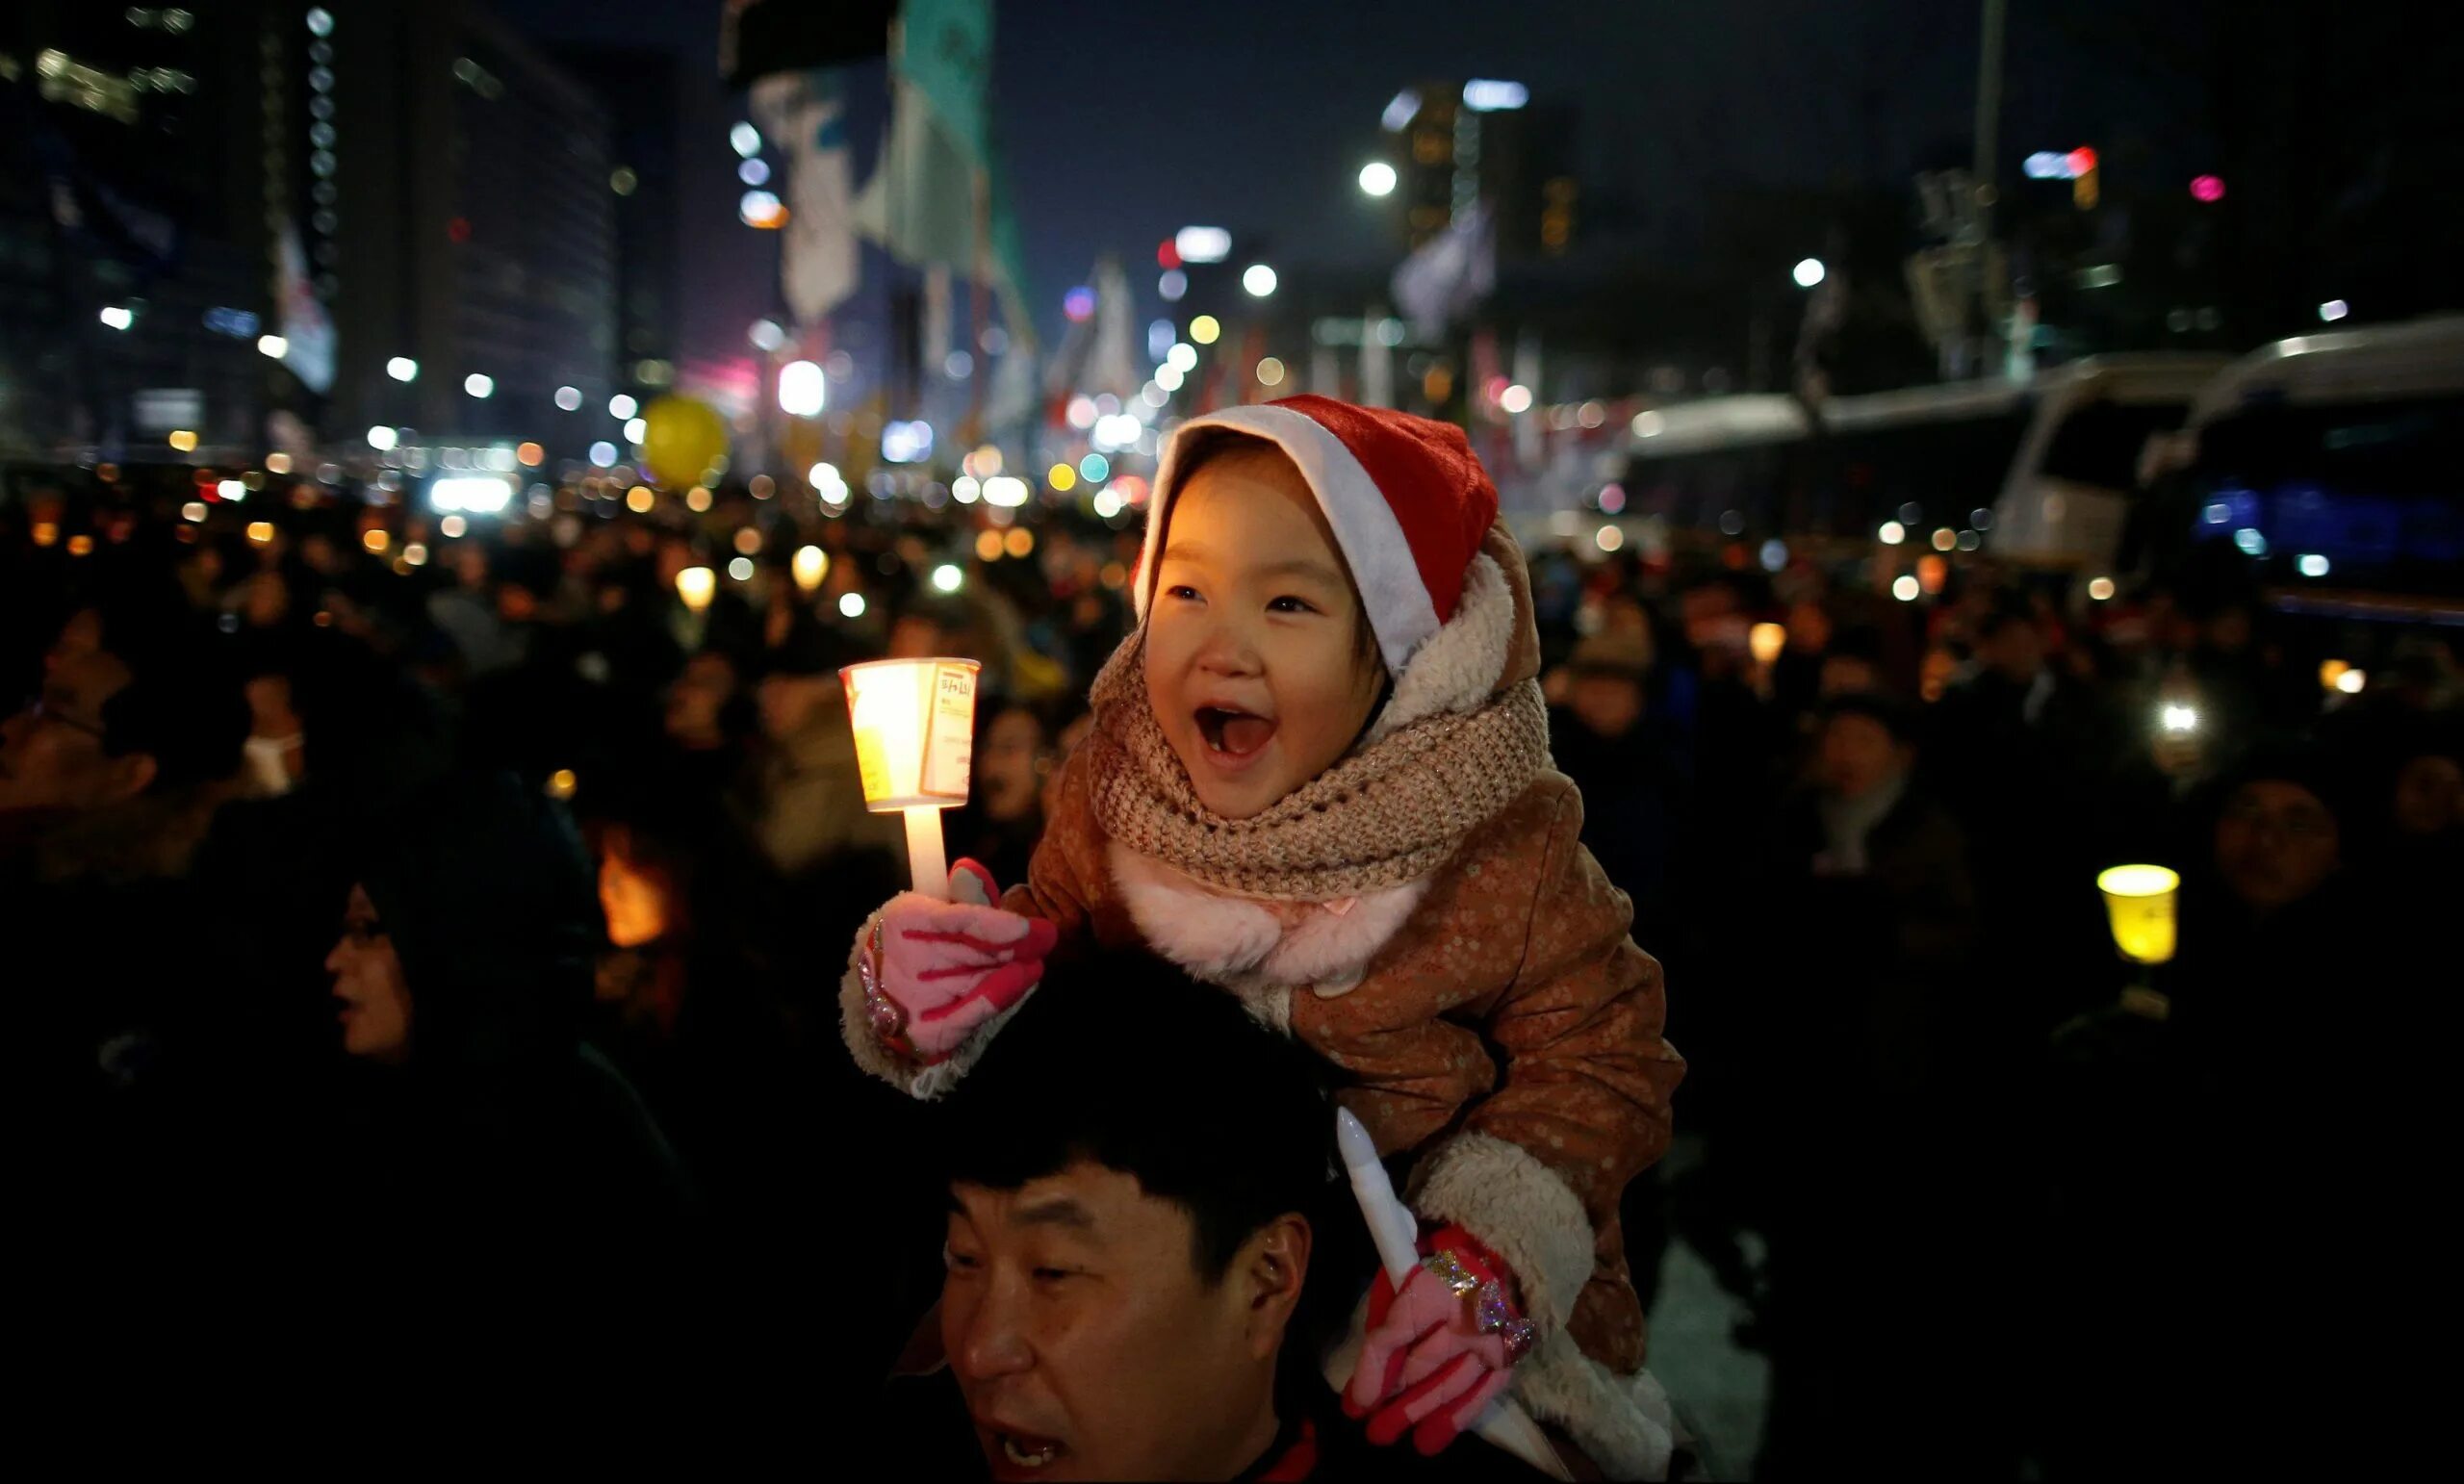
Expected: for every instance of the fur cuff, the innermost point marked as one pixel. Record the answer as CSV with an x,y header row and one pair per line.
x,y
1622,1424
1459,667
922,1083
1521,1210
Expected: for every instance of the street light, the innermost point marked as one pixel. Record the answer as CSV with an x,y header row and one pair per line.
x,y
1807,273
274,346
1258,279
480,384
402,369
118,317
1378,178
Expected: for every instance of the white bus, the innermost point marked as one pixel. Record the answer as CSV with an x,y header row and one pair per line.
x,y
1978,457
2329,469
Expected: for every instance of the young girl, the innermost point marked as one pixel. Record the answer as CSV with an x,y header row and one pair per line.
x,y
1319,777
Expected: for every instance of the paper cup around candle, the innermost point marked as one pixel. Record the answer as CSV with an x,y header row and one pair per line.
x,y
2139,902
696,585
914,724
914,721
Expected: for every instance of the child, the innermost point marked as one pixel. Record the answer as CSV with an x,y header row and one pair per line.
x,y
1319,777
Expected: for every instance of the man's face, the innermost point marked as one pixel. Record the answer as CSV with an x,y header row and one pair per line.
x,y
1859,754
1006,772
2275,843
792,704
1089,1346
695,700
1608,705
51,754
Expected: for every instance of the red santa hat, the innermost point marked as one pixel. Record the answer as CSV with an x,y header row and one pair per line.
x,y
1407,500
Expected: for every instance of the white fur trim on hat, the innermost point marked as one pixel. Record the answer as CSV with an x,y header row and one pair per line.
x,y
1458,670
1519,1208
1371,538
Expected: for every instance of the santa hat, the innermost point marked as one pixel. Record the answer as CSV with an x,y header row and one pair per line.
x,y
1405,497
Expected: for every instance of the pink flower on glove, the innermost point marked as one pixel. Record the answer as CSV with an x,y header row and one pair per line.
x,y
935,971
1441,1350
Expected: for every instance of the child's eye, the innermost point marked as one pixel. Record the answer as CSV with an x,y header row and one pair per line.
x,y
1291,604
1182,591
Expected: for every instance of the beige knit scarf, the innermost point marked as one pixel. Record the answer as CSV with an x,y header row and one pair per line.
x,y
1390,813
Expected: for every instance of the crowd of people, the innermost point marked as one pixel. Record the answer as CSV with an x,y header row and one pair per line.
x,y
462,918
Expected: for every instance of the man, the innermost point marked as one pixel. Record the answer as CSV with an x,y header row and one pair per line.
x,y
1145,1254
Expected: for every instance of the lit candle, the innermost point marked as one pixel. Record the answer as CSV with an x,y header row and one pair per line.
x,y
811,564
2139,902
915,725
696,585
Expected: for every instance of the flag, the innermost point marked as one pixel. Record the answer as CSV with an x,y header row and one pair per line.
x,y
1114,365
938,195
307,327
1450,273
805,114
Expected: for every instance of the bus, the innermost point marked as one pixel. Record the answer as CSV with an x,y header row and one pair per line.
x,y
1988,461
2327,472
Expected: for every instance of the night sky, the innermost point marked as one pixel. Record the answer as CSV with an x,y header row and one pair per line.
x,y
1123,122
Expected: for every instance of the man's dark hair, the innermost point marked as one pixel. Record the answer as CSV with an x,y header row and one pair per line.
x,y
1125,1063
1874,707
183,704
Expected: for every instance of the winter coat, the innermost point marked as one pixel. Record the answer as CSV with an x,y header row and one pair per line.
x,y
1500,1028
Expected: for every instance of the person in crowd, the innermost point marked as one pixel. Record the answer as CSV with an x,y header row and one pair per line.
x,y
1603,740
110,779
1868,1002
1003,819
1319,778
1145,1260
807,805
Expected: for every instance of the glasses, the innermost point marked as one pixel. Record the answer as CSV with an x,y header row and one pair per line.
x,y
41,711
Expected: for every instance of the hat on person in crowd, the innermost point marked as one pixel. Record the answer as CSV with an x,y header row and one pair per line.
x,y
1619,656
1406,498
1881,710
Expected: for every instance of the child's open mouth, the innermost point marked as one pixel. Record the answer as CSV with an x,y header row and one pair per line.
x,y
1234,735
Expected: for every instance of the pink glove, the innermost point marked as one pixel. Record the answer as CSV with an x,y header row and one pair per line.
x,y
1438,1352
933,971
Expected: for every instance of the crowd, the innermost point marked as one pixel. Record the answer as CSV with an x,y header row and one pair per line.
x,y
411,930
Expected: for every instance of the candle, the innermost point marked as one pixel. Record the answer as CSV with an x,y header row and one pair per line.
x,y
696,585
2139,902
914,725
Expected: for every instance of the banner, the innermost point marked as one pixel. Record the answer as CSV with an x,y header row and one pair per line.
x,y
306,324
805,114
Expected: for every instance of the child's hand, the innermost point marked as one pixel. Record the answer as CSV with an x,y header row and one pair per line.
x,y
1441,1350
933,971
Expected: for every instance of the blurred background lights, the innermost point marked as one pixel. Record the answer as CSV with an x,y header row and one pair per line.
x,y
231,490
1378,178
480,384
1892,533
603,454
1905,588
1095,468
753,172
1202,244
1172,286
2334,310
402,368
746,140
766,335
761,209
569,398
622,406
636,429
2101,589
119,317
382,438
1204,329
946,578
2311,564
1609,538
1269,372
1487,95
1257,280
274,346
742,569
1182,357
1807,273
851,605
1078,303
2207,188
808,566
803,389
1515,399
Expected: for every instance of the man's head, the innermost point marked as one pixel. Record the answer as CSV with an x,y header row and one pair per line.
x,y
1134,1171
2277,838
1864,744
139,710
2009,643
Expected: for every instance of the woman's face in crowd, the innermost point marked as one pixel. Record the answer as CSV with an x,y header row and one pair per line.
x,y
368,980
2275,843
1254,667
1007,769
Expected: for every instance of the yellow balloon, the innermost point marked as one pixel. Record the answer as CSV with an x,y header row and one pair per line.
x,y
682,438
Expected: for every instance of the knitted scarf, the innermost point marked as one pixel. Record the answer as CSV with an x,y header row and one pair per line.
x,y
1389,813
